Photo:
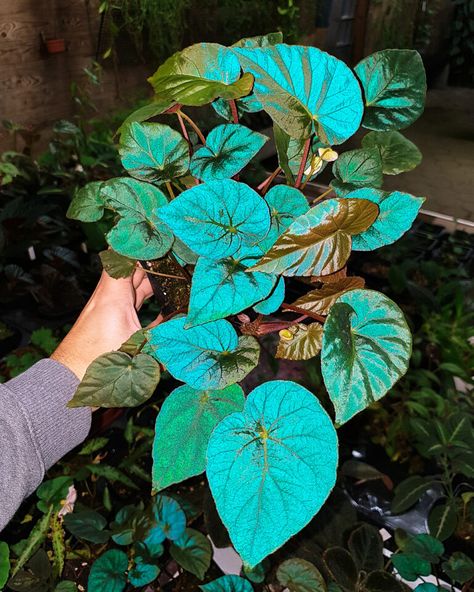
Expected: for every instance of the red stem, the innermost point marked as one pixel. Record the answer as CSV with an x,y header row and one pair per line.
x,y
303,162
233,108
302,311
266,184
185,132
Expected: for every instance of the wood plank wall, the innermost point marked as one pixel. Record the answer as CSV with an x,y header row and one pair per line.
x,y
35,87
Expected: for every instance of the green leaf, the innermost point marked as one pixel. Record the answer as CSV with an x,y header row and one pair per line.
x,y
142,574
130,524
4,563
283,142
193,552
112,474
35,539
260,40
87,525
318,242
425,546
116,265
170,521
283,433
397,153
442,521
87,204
459,567
135,343
209,356
299,575
225,287
153,152
219,219
117,380
410,567
291,82
183,427
139,234
274,300
93,445
408,492
256,574
199,74
66,586
366,349
300,341
228,584
51,492
355,169
341,567
394,84
320,301
108,573
58,544
228,149
366,547
156,107
381,581
397,212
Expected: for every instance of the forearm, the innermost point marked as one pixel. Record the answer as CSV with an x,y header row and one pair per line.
x,y
36,429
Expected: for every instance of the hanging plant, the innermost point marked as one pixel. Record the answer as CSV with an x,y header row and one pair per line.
x,y
270,455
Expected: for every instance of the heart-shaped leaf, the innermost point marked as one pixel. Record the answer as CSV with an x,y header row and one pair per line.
x,y
280,455
425,546
169,521
52,492
300,342
209,356
397,153
199,74
193,552
394,84
87,525
299,575
219,219
366,349
142,574
228,584
116,265
366,547
153,152
228,149
182,431
397,212
357,168
274,300
108,573
291,82
459,567
87,204
117,380
341,567
225,287
320,301
318,242
410,567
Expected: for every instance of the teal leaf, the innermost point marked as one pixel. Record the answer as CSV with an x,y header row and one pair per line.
x,y
305,91
274,300
193,552
425,546
108,573
280,455
410,567
219,219
394,84
209,356
397,212
130,522
357,168
169,521
153,152
225,287
427,587
182,431
398,154
87,525
260,40
228,584
87,204
142,574
366,349
228,149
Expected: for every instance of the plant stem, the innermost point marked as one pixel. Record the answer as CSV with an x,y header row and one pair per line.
x,y
268,181
193,125
304,158
302,311
170,189
233,108
166,275
327,192
185,132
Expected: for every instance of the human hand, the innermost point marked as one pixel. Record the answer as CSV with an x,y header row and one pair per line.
x,y
108,319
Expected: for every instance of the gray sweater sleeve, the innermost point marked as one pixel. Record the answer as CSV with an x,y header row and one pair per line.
x,y
36,429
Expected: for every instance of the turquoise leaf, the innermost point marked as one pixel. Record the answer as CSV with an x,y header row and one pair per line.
x,y
209,356
108,572
357,168
153,152
228,149
366,349
397,212
219,219
225,287
228,584
280,455
169,521
305,91
143,574
274,300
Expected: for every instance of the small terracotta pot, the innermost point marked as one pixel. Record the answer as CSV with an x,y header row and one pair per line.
x,y
56,45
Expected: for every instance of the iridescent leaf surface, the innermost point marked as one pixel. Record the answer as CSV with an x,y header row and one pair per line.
x,y
274,300
357,168
300,342
153,152
182,431
320,301
209,356
228,149
87,204
169,521
318,242
366,349
108,573
397,153
305,90
228,584
193,552
397,212
394,84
